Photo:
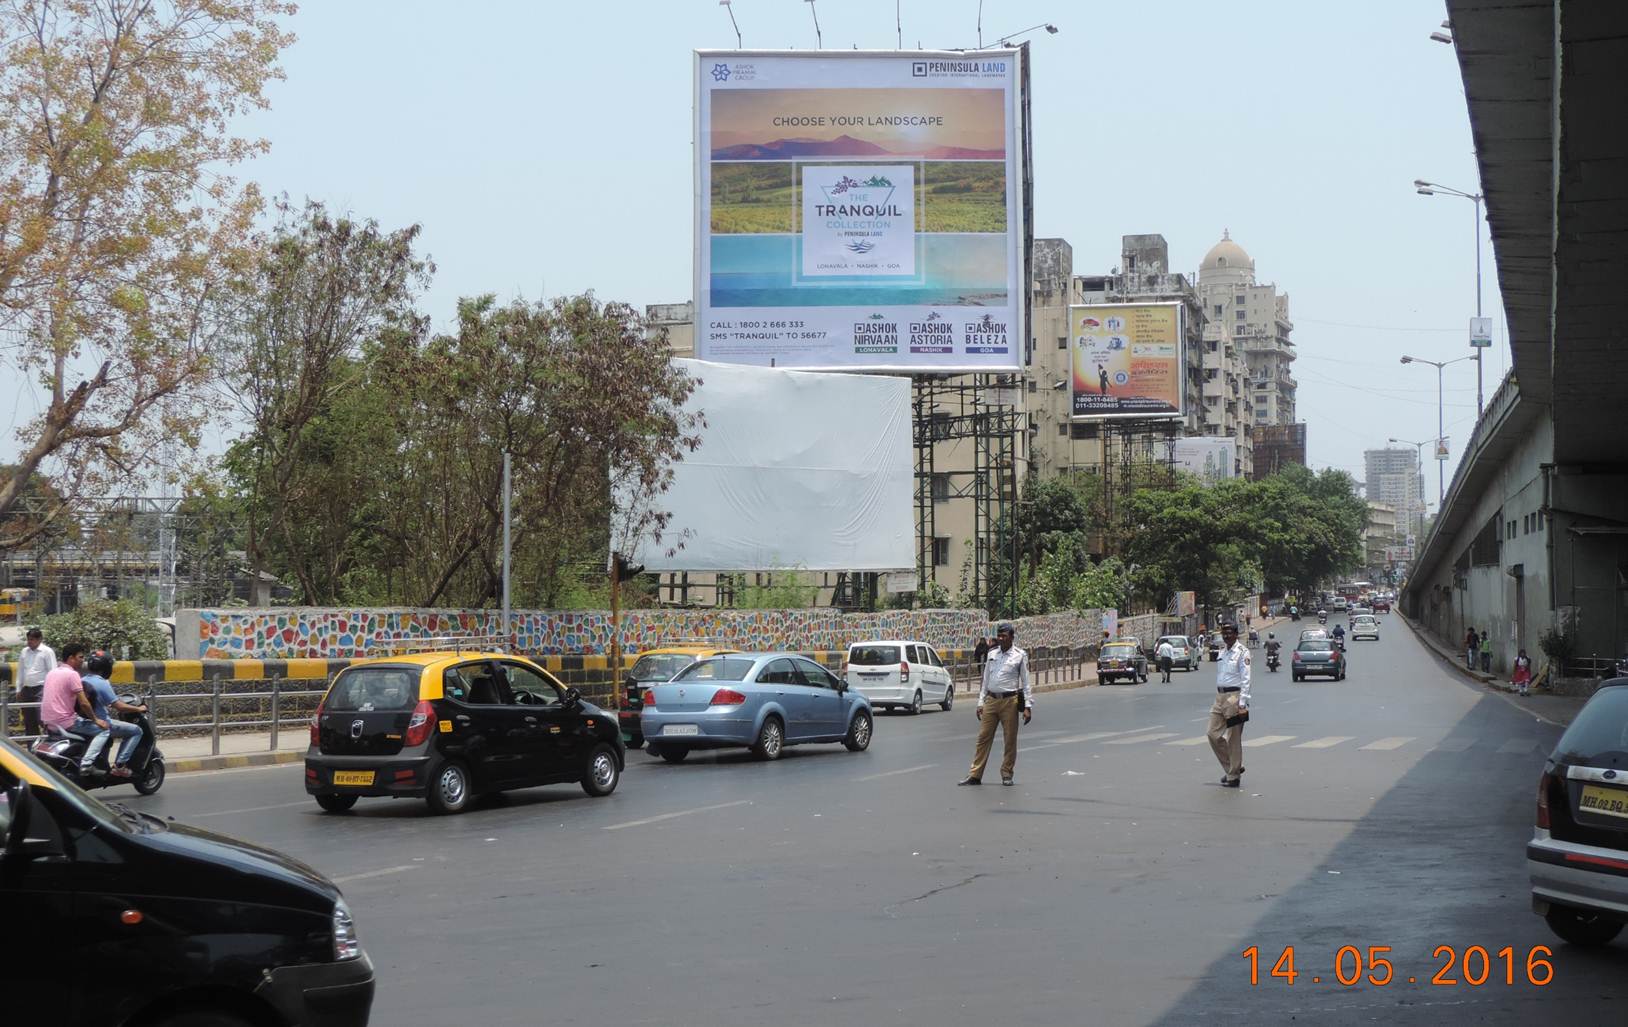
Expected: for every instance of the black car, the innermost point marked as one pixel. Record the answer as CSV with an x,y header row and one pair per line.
x,y
1116,660
1318,656
449,726
115,917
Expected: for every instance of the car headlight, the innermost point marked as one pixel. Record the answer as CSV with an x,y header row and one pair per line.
x,y
346,944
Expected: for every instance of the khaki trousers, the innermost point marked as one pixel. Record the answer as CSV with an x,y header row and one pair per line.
x,y
1228,743
1004,712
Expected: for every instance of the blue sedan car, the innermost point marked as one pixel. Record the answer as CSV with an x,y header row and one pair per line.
x,y
762,701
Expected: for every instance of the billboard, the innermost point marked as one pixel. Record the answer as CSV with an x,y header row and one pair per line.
x,y
860,210
1212,458
1127,360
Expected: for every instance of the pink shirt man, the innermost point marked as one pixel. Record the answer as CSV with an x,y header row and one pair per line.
x,y
59,703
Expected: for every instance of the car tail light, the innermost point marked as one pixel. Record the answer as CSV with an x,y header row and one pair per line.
x,y
316,723
727,697
1543,799
422,723
1297,655
904,671
649,699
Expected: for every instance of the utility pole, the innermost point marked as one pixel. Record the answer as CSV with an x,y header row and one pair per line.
x,y
508,631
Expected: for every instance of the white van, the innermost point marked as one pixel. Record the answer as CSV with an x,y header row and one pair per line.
x,y
899,675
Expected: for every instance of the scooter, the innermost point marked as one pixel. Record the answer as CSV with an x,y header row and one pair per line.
x,y
1272,662
63,753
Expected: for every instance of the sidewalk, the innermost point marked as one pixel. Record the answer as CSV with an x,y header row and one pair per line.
x,y
246,749
1554,709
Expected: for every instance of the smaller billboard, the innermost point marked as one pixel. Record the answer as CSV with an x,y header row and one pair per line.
x,y
1398,554
1441,449
1212,458
1481,332
1127,360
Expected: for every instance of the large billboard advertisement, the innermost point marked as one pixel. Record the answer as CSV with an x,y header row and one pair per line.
x,y
1128,360
1211,457
860,210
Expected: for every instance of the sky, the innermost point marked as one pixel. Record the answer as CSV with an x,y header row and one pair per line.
x,y
545,148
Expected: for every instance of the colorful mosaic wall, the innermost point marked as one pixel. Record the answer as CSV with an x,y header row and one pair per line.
x,y
308,632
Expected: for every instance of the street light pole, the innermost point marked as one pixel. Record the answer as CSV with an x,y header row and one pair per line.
x,y
1433,189
1441,471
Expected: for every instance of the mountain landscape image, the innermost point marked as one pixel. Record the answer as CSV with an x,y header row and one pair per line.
x,y
844,146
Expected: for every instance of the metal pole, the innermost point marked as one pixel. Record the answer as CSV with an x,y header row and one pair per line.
x,y
1478,349
214,718
276,715
508,637
1441,465
616,630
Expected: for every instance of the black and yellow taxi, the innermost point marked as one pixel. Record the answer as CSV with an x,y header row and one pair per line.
x,y
656,667
115,917
448,726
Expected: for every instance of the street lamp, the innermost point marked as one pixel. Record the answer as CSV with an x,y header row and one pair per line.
x,y
1424,188
1441,488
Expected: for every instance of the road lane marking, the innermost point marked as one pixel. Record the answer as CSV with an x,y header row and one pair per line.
x,y
384,872
1387,744
1322,743
892,773
1200,740
1092,737
680,813
250,809
1267,740
1521,745
1134,739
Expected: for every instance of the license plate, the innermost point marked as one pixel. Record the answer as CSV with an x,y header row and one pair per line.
x,y
353,777
1613,802
681,729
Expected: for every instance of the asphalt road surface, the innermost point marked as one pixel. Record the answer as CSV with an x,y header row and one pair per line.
x,y
1116,883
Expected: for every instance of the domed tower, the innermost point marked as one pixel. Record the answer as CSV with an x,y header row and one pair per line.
x,y
1226,264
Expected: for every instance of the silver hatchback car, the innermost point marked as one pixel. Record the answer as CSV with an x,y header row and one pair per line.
x,y
1578,855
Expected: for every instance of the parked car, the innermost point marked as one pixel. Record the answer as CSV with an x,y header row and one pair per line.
x,y
1578,856
762,701
1317,656
119,917
449,726
1216,644
899,675
1185,658
1365,626
1121,660
654,666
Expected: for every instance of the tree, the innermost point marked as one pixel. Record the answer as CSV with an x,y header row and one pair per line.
x,y
125,629
115,219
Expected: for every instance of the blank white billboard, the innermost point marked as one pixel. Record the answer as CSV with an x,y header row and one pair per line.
x,y
795,469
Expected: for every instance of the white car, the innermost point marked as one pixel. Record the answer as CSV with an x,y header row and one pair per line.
x,y
898,674
1365,626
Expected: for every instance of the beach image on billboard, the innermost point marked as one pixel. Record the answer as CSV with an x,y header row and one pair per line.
x,y
1127,360
858,210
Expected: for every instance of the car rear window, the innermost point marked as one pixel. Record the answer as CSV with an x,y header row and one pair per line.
x,y
1316,645
367,689
1599,735
873,655
723,668
1175,640
660,666
1119,649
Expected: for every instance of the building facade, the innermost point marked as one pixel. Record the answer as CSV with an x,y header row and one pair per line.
x,y
1393,476
1256,319
1379,534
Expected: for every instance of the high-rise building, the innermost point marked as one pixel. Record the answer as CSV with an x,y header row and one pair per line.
x,y
1393,476
1256,318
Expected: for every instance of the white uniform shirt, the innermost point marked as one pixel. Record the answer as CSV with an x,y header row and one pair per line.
x,y
34,664
1166,651
1233,671
1006,672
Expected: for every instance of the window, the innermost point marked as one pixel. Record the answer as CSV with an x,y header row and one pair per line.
x,y
479,688
1062,427
529,687
1240,315
1240,299
940,487
1218,310
1062,342
723,668
873,655
815,675
1033,385
1081,431
374,688
913,654
932,656
778,672
941,551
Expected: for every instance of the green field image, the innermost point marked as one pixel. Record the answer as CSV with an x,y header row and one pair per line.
x,y
760,198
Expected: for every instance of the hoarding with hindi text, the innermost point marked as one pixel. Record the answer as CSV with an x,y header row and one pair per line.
x,y
1127,360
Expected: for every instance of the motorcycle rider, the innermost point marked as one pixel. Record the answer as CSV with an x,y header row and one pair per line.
x,y
1272,647
1339,635
104,702
64,707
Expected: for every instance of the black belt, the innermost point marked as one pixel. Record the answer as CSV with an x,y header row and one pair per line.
x,y
1218,688
1002,695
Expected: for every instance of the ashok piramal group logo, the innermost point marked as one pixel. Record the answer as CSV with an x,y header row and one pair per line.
x,y
859,221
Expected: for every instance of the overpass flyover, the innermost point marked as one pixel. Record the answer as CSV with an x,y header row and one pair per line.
x,y
1533,534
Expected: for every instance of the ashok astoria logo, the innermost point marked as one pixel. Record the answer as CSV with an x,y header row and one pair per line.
x,y
720,73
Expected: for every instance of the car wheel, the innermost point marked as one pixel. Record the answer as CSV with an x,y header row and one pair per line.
x,y
449,789
949,699
601,773
771,739
859,733
1576,927
151,779
336,803
673,753
915,703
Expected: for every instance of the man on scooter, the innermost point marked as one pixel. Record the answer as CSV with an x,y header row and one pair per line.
x,y
63,705
1339,635
104,702
1272,646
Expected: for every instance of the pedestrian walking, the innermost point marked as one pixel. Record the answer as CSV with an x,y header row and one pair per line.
x,y
1231,709
1005,693
1472,644
35,661
1486,652
980,651
1166,654
1522,678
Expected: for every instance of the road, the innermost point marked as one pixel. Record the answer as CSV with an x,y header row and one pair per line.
x,y
1116,883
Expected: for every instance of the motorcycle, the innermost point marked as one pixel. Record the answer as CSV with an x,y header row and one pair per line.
x,y
1272,661
63,753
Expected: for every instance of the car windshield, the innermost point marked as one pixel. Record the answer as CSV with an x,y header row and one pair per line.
x,y
724,668
660,666
1175,640
1598,737
374,689
1119,649
1315,645
873,655
1365,622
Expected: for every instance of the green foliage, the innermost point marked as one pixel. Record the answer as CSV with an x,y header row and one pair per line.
x,y
1558,645
124,628
782,591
